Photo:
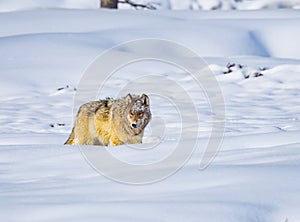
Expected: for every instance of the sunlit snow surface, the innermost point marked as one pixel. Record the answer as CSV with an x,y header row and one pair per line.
x,y
255,175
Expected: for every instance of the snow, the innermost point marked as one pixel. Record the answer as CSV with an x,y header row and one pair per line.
x,y
254,176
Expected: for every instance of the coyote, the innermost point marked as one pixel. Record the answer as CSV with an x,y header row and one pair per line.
x,y
111,122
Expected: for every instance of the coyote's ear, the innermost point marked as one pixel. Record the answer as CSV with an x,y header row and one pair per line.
x,y
128,98
145,99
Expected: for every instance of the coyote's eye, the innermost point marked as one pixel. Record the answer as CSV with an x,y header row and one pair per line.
x,y
131,114
140,115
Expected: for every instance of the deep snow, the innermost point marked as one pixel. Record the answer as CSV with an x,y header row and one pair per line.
x,y
254,177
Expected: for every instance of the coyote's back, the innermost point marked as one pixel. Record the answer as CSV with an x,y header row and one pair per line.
x,y
111,122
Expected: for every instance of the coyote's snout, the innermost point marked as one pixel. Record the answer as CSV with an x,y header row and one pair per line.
x,y
111,122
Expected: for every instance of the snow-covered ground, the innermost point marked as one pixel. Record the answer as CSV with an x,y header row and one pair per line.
x,y
255,176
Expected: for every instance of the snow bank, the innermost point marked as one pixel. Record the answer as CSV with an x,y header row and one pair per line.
x,y
87,32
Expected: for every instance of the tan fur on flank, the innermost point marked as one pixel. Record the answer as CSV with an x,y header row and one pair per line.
x,y
111,122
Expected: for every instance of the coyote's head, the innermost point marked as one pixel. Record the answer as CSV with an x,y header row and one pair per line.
x,y
138,112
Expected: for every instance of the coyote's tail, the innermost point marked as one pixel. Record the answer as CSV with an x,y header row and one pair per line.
x,y
71,138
